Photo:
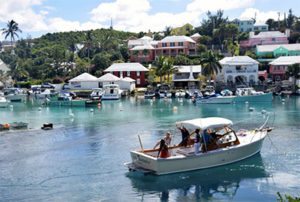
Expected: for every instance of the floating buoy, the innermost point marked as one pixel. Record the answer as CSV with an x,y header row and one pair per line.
x,y
91,110
40,109
99,105
71,114
153,98
193,98
288,96
283,100
165,98
251,109
263,111
175,108
246,102
6,125
11,106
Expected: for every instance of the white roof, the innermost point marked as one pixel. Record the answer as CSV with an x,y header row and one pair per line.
x,y
144,47
286,60
271,48
124,67
177,39
186,68
269,34
196,35
3,66
84,77
139,42
108,78
206,123
238,60
128,79
260,24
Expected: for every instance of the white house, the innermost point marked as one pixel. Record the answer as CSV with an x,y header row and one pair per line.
x,y
84,81
108,79
238,70
126,83
187,76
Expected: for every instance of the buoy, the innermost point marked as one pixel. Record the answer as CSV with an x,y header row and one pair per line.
x,y
283,100
251,109
153,98
99,105
263,111
175,108
193,98
165,98
11,106
246,102
6,125
40,108
91,110
288,96
71,114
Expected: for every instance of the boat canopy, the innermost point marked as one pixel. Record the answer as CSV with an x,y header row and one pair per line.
x,y
206,123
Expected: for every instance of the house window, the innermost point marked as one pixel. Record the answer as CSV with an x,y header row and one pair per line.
x,y
180,43
138,81
164,44
172,44
128,73
277,68
180,51
138,73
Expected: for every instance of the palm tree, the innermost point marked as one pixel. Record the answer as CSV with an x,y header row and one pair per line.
x,y
168,67
11,30
210,64
159,68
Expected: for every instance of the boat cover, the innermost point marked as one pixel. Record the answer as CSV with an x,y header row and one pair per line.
x,y
206,123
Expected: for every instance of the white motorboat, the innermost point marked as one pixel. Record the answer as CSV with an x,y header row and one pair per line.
x,y
215,99
226,92
227,147
193,93
149,94
3,101
180,94
111,92
250,95
47,93
163,94
14,94
96,93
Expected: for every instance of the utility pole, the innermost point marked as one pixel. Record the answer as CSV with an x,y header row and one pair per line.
x,y
278,20
111,24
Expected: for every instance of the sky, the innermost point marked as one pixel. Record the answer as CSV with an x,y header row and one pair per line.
x,y
37,17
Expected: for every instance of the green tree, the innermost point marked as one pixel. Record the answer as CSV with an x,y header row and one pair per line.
x,y
167,31
100,62
290,19
294,72
271,24
201,49
11,30
210,64
205,40
242,36
182,60
159,68
168,67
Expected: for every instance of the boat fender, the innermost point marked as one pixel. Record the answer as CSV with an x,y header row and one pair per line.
x,y
6,125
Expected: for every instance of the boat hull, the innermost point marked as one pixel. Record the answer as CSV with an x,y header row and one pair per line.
x,y
215,158
110,97
3,104
267,97
16,97
216,100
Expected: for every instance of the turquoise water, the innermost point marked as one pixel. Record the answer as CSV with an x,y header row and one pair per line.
x,y
82,158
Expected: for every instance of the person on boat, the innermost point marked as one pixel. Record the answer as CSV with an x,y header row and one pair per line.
x,y
167,140
197,142
206,139
185,135
163,151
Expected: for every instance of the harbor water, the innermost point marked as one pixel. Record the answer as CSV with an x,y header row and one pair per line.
x,y
82,158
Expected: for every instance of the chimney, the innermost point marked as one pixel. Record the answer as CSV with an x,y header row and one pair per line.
x,y
191,73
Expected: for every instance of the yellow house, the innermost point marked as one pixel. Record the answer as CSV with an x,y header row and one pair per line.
x,y
185,29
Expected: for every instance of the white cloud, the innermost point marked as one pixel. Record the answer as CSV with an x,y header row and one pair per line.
x,y
261,17
133,15
61,25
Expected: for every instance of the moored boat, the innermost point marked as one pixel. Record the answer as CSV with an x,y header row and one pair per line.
x,y
111,92
250,95
14,94
215,99
226,147
3,101
18,125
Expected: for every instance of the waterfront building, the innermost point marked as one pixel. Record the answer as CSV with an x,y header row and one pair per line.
x,y
186,77
279,66
107,78
260,27
266,38
172,46
84,81
238,70
145,40
268,53
135,71
195,37
142,54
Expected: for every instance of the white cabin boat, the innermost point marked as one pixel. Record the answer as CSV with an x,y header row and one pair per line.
x,y
111,92
96,93
14,94
250,95
3,101
47,93
227,147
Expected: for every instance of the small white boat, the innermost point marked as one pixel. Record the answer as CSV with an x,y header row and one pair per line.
x,y
149,94
47,93
215,99
96,93
180,94
15,94
111,92
3,101
163,94
250,95
226,92
193,93
226,147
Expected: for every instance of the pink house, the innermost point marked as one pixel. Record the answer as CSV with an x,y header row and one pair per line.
x,y
279,66
172,46
142,54
266,38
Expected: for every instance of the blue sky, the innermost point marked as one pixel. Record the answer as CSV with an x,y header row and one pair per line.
x,y
37,17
